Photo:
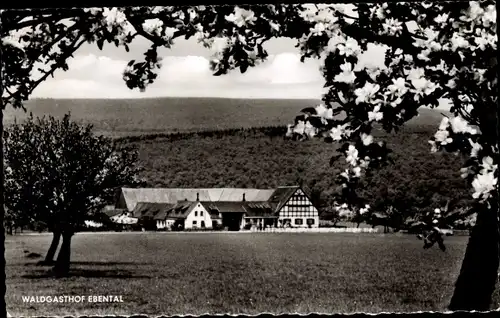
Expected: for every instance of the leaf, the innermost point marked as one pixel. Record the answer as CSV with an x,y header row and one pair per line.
x,y
316,122
243,67
100,43
333,159
309,110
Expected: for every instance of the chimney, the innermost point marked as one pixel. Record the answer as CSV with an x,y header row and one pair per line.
x,y
197,196
244,197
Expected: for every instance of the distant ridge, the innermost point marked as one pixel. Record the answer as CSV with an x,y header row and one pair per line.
x,y
177,114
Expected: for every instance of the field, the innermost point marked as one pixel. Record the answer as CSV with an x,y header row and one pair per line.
x,y
193,273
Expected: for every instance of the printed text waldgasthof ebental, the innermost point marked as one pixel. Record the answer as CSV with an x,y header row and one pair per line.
x,y
74,299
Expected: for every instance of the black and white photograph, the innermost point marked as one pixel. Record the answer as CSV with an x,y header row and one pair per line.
x,y
245,159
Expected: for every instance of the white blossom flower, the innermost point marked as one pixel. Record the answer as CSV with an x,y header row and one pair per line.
x,y
114,16
337,132
364,163
375,115
373,71
299,127
153,26
350,47
392,26
364,210
476,147
488,165
481,42
483,184
275,27
458,41
472,13
451,84
442,137
357,171
352,155
442,18
398,87
310,130
366,93
11,41
424,55
380,13
433,146
490,16
335,41
464,172
445,122
415,73
395,103
347,75
324,112
423,87
479,74
460,125
241,17
289,131
169,32
426,5
367,139
408,58
93,11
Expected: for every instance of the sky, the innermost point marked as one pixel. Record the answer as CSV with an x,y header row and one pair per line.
x,y
185,72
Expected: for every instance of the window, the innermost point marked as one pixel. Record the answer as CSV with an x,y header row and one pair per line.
x,y
299,221
201,213
194,223
195,213
310,221
202,223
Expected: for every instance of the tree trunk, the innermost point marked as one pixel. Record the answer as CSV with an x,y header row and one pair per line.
x,y
2,202
479,273
49,258
61,267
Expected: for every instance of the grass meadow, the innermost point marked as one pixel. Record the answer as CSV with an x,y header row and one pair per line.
x,y
193,273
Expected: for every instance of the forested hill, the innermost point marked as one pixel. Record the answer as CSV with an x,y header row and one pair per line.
x,y
232,151
122,117
262,158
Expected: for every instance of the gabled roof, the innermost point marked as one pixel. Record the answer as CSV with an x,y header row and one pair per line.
x,y
281,196
225,206
181,209
259,208
150,209
111,213
132,196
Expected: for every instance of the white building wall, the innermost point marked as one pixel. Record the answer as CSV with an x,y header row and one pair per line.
x,y
164,224
198,214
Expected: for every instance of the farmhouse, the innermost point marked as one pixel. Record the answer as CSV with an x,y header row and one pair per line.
x,y
231,208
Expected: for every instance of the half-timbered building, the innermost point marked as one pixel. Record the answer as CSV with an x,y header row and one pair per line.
x,y
230,208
